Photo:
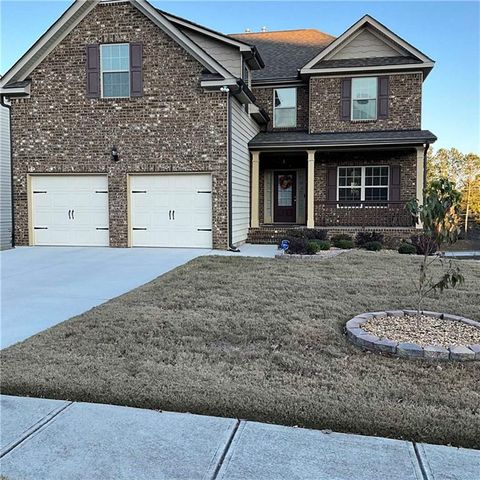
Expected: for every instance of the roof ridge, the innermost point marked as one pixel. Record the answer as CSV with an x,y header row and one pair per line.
x,y
283,31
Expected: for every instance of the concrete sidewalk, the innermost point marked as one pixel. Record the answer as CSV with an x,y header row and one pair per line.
x,y
61,440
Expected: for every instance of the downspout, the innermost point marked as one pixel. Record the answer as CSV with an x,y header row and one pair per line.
x,y
2,102
231,247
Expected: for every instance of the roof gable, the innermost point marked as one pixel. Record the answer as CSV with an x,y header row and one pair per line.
x,y
75,14
368,39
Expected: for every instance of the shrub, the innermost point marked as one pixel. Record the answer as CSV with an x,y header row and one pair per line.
x,y
298,246
340,238
362,238
312,247
373,246
407,248
344,244
424,244
308,233
324,244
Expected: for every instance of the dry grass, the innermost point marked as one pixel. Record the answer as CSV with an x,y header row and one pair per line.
x,y
261,339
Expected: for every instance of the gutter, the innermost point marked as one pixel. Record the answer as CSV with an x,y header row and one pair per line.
x,y
2,102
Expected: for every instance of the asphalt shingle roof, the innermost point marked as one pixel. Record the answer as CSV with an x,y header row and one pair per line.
x,y
366,62
292,139
285,52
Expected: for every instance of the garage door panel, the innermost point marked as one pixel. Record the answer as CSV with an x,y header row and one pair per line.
x,y
170,210
70,210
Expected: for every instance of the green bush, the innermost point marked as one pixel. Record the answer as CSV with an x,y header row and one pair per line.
x,y
298,246
336,239
312,247
362,238
307,233
324,244
373,246
407,248
344,244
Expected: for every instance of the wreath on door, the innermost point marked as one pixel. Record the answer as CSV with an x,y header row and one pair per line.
x,y
285,181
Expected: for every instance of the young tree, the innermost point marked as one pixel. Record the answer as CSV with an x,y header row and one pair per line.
x,y
439,216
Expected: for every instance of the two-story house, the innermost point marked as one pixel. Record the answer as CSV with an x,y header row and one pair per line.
x,y
134,127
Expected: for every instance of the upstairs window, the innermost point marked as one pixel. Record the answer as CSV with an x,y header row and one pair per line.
x,y
364,98
115,70
285,108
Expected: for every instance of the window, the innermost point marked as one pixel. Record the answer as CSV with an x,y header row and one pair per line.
x,y
363,184
364,98
115,70
285,107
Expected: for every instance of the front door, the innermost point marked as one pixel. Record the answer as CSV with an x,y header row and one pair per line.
x,y
285,197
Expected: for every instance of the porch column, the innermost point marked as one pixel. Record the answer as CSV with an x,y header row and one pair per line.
x,y
420,178
254,207
311,189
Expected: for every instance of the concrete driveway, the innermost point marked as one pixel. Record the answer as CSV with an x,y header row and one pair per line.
x,y
43,286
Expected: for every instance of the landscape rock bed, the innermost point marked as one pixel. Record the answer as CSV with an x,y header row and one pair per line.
x,y
432,335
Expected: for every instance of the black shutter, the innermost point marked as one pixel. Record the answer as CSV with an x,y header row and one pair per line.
x,y
394,187
345,99
382,98
331,184
136,75
93,71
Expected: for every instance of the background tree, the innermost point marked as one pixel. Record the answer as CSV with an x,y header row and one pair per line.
x,y
461,169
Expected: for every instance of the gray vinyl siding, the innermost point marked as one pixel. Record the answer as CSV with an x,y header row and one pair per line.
x,y
227,55
244,128
5,181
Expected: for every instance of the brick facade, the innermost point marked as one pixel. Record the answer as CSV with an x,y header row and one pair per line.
x,y
174,127
264,98
404,109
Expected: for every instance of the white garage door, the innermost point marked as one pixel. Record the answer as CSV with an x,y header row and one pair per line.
x,y
171,210
70,210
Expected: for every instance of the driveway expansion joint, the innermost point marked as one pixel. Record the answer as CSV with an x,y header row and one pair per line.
x,y
46,420
420,461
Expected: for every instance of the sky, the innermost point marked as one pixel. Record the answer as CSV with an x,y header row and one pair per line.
x,y
446,31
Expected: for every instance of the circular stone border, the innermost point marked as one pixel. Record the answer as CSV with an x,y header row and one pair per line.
x,y
367,341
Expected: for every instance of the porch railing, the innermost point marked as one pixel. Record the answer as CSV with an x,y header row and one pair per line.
x,y
362,214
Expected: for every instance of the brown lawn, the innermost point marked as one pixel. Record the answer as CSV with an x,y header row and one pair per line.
x,y
261,339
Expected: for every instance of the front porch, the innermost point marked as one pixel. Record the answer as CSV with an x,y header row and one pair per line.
x,y
344,190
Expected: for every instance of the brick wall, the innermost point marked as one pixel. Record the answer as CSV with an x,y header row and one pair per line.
x,y
175,126
404,112
264,98
407,159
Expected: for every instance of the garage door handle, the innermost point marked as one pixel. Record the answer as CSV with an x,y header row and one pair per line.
x,y
169,214
173,214
73,216
69,213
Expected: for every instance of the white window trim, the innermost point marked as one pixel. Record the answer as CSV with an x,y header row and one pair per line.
x,y
353,99
362,182
114,71
280,108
